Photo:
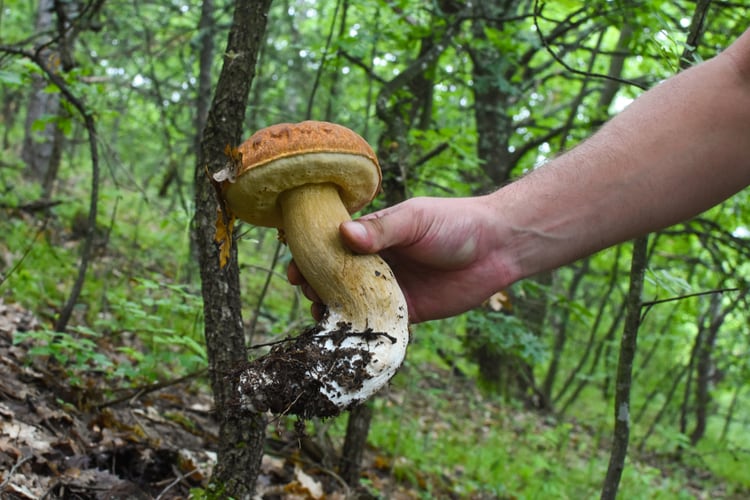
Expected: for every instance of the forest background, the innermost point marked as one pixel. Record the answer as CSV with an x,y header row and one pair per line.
x,y
104,111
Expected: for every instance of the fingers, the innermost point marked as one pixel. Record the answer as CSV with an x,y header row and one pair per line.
x,y
317,309
294,275
295,278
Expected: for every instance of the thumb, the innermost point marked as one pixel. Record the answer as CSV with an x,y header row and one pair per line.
x,y
362,236
377,231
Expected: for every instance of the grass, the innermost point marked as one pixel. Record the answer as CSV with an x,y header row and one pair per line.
x,y
442,435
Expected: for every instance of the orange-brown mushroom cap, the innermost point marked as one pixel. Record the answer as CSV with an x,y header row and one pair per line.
x,y
289,155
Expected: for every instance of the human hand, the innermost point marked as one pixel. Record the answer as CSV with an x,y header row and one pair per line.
x,y
443,251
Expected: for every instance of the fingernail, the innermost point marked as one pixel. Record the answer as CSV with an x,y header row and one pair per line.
x,y
356,230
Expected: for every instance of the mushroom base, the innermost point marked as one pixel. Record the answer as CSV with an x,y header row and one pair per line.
x,y
308,376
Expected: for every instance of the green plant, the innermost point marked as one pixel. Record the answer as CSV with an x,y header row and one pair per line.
x,y
76,351
166,321
506,334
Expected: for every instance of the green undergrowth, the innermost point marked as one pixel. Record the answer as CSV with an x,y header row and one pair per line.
x,y
140,299
434,429
440,433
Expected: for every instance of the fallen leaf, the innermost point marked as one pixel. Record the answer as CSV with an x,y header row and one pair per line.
x,y
223,236
225,218
305,485
500,301
314,488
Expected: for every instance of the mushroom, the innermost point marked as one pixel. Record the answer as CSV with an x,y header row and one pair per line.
x,y
306,179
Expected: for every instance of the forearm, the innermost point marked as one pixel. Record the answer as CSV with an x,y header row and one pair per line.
x,y
679,149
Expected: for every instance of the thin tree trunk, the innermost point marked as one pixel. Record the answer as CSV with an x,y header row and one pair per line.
x,y
353,449
714,318
705,364
40,150
591,342
500,372
206,31
730,413
663,410
628,345
561,335
598,355
334,90
241,435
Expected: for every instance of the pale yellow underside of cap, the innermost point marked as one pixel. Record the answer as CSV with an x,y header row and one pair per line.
x,y
253,197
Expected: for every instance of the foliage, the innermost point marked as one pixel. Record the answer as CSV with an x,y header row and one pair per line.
x,y
138,75
506,334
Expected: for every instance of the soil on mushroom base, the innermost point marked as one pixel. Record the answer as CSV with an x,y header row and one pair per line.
x,y
288,379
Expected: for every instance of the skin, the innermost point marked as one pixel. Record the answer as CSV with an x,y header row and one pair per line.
x,y
677,150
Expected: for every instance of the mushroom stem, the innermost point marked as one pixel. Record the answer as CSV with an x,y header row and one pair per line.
x,y
362,341
358,289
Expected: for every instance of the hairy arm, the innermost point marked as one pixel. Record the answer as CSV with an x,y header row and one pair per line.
x,y
677,150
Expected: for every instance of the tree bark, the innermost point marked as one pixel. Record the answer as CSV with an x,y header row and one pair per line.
x,y
41,149
492,93
241,435
628,345
357,429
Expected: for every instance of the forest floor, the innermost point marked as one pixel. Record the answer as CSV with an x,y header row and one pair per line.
x,y
57,441
83,440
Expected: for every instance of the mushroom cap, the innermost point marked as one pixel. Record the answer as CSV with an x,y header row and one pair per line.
x,y
288,155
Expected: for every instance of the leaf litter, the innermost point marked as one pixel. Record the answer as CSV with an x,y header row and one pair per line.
x,y
59,440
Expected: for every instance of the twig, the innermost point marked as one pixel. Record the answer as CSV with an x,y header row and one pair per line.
x,y
177,480
537,14
323,57
13,470
33,206
337,336
264,290
140,391
25,254
648,305
431,154
272,343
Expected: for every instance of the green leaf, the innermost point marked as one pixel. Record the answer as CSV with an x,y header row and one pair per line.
x,y
10,78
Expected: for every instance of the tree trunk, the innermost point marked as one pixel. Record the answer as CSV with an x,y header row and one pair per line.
x,y
705,367
403,104
41,149
357,429
241,436
494,124
492,94
628,345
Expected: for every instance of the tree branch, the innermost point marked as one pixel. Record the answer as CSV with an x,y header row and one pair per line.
x,y
88,120
537,13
